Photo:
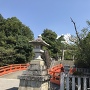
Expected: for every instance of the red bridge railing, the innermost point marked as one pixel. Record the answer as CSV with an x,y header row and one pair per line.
x,y
55,73
12,68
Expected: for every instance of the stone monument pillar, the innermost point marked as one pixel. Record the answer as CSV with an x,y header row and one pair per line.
x,y
36,76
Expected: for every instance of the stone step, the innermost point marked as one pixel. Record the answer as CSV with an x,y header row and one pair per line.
x,y
67,62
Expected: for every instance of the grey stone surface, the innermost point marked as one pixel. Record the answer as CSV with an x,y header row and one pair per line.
x,y
67,62
36,85
35,77
36,67
37,62
9,84
37,73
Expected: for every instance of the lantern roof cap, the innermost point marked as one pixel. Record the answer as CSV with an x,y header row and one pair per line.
x,y
39,40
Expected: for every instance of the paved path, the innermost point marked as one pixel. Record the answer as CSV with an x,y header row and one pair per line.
x,y
9,84
12,75
10,81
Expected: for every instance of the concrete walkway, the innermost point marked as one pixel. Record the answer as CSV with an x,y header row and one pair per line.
x,y
10,81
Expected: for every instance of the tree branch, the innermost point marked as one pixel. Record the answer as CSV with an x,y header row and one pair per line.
x,y
75,29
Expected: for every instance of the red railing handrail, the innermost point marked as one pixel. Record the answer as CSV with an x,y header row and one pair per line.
x,y
55,73
12,68
17,67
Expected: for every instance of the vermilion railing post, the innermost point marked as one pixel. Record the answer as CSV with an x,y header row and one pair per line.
x,y
15,67
10,68
20,66
4,70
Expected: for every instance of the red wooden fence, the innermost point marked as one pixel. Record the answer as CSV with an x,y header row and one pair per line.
x,y
12,68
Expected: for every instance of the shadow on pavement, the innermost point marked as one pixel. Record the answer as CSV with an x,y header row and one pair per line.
x,y
14,88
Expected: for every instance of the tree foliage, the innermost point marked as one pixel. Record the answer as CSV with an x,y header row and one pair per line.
x,y
14,38
83,53
50,37
55,44
83,48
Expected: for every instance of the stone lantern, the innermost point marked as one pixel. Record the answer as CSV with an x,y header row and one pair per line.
x,y
36,77
38,44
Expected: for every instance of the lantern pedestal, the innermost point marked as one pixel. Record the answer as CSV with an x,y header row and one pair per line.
x,y
36,77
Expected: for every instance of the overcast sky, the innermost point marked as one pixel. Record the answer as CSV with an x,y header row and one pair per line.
x,y
51,14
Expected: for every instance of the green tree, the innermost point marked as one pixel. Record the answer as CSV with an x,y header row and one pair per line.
x,y
14,41
50,37
83,53
83,47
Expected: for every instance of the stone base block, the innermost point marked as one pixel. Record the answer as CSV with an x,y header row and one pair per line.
x,y
38,62
35,73
36,67
34,78
33,85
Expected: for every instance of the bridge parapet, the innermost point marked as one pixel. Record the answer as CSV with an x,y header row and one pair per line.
x,y
12,68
